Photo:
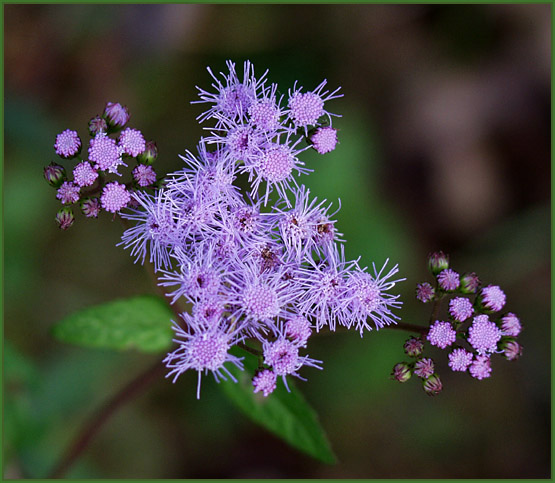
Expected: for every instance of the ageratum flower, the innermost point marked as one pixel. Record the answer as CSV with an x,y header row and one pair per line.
x,y
203,349
271,274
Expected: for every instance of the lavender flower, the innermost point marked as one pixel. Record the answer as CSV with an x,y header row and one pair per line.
x,y
441,334
132,142
460,359
324,139
460,309
264,381
270,274
114,197
305,109
68,193
483,335
68,144
203,350
144,175
84,174
105,153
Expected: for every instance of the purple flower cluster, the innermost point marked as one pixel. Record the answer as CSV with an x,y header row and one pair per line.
x,y
105,156
263,268
471,331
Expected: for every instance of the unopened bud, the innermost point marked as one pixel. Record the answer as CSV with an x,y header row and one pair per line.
x,y
437,262
512,350
97,125
432,385
413,346
469,283
90,207
425,292
149,155
116,115
65,218
55,174
401,372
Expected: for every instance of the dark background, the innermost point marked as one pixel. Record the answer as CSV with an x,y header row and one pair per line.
x,y
445,144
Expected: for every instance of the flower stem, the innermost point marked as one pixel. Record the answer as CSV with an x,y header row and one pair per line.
x,y
98,419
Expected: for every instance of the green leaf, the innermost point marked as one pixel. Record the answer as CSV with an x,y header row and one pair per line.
x,y
286,414
141,323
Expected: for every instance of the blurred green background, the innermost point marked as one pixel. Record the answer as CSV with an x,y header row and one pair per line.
x,y
445,144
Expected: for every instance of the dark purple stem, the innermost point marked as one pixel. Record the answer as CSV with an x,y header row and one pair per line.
x,y
97,421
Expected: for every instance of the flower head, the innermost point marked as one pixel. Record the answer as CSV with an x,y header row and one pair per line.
x,y
324,139
84,174
144,175
264,381
370,300
298,329
305,109
132,142
203,349
67,144
460,359
441,334
114,197
283,357
460,309
90,207
483,335
105,153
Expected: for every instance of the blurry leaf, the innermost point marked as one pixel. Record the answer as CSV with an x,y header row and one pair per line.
x,y
140,322
287,415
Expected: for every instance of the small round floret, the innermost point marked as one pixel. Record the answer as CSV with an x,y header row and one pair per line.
x,y
264,381
324,139
460,309
105,153
261,301
132,142
114,197
67,144
298,329
441,334
460,359
483,335
84,174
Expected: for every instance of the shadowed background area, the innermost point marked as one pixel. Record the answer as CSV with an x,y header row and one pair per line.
x,y
444,144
